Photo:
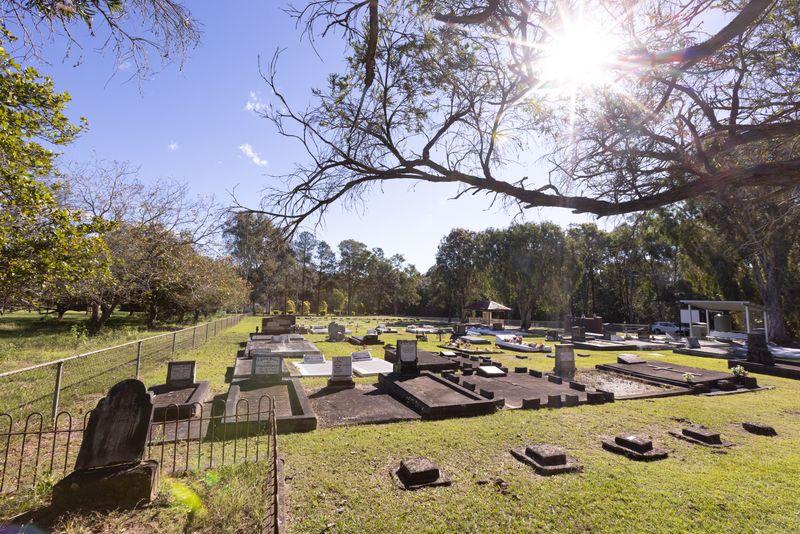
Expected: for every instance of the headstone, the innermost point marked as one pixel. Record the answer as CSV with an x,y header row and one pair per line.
x,y
565,361
313,358
578,333
643,334
266,366
181,374
406,362
551,335
336,332
758,350
117,429
693,342
341,372
277,324
109,472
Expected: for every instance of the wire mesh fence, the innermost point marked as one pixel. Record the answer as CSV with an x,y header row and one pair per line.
x,y
82,379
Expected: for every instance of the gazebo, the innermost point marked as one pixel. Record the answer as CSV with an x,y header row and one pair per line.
x,y
486,308
741,306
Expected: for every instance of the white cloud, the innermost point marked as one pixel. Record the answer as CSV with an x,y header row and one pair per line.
x,y
254,104
123,65
252,155
173,146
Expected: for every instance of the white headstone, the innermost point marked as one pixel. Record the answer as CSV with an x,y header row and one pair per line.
x,y
361,356
267,365
407,350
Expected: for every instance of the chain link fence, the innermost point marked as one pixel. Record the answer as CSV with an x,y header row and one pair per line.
x,y
77,380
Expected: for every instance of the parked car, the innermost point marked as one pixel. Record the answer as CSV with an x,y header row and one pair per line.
x,y
665,327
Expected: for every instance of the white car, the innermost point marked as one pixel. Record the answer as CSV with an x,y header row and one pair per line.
x,y
665,327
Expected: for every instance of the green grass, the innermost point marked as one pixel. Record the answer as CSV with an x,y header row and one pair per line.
x,y
28,338
338,479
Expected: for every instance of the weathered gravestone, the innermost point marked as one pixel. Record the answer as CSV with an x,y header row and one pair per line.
x,y
757,349
578,333
181,374
692,342
266,367
341,373
406,362
551,335
565,361
278,324
109,472
643,334
336,332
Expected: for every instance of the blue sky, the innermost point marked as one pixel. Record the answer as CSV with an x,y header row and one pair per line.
x,y
193,125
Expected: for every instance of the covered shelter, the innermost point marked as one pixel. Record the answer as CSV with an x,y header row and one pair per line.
x,y
747,308
487,309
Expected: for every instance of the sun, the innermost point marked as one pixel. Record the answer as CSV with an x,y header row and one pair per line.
x,y
581,54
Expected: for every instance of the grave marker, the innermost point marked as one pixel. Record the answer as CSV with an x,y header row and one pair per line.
x,y
181,373
266,366
565,361
406,357
758,350
341,373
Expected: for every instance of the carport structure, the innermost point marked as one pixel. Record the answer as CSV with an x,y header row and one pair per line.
x,y
741,306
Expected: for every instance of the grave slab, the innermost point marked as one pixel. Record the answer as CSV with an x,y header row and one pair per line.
x,y
293,412
781,368
468,349
426,361
760,429
314,365
365,365
700,435
418,473
534,390
181,395
546,460
434,397
288,347
634,447
360,405
670,373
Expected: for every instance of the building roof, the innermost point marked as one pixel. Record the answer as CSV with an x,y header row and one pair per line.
x,y
723,305
487,305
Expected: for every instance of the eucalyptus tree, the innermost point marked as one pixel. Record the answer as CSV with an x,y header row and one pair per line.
x,y
636,105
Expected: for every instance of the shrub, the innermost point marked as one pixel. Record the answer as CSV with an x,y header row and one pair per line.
x,y
323,308
290,307
306,308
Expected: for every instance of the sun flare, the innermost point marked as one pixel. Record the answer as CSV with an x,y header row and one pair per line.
x,y
581,54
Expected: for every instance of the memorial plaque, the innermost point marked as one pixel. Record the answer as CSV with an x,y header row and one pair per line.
x,y
565,361
117,429
407,350
181,373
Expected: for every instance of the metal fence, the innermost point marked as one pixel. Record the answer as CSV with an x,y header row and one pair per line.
x,y
79,380
32,450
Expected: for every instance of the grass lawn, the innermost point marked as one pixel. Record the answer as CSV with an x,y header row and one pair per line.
x,y
338,479
28,338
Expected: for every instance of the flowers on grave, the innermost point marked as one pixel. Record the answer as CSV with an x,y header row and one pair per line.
x,y
689,378
739,371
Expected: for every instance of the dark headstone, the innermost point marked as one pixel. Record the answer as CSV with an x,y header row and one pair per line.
x,y
643,334
701,433
117,429
693,342
757,349
547,454
416,473
181,373
406,357
759,428
551,335
634,443
578,333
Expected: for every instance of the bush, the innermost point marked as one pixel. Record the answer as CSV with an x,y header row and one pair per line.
x,y
323,308
290,307
277,312
306,307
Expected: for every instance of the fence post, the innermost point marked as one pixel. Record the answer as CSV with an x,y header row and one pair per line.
x,y
207,325
138,358
194,337
57,389
174,338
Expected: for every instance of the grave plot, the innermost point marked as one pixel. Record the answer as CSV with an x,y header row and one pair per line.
x,y
370,338
523,388
634,447
243,367
604,344
468,348
314,365
760,360
359,405
433,397
700,435
469,364
181,395
288,346
365,365
705,348
693,378
426,361
626,386
292,409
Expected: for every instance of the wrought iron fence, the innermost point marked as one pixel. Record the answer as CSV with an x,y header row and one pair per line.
x,y
32,451
49,387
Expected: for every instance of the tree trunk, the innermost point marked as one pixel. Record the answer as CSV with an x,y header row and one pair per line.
x,y
152,313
